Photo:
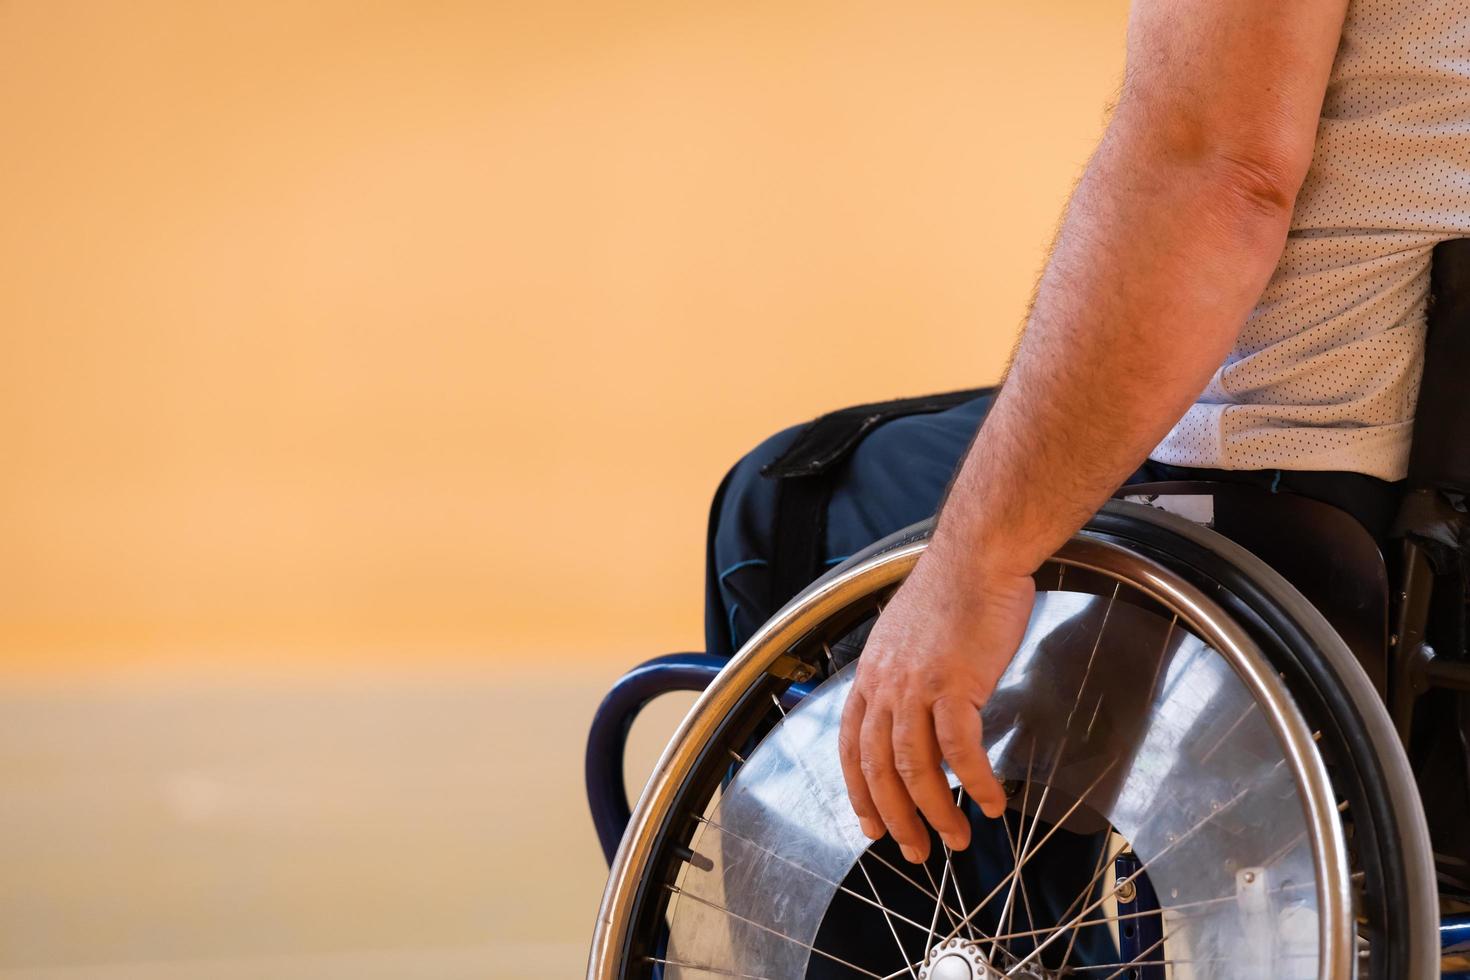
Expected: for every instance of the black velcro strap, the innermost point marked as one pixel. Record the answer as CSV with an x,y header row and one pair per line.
x,y
829,440
801,529
807,471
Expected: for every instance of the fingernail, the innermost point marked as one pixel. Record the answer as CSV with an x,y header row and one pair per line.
x,y
871,827
911,854
955,842
993,809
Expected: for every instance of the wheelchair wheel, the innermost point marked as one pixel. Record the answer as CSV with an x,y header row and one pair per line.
x,y
1178,723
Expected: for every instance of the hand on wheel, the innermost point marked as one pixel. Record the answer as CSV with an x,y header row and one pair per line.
x,y
930,663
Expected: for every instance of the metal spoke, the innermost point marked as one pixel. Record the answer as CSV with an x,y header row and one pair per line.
x,y
937,894
715,970
1025,850
1102,856
1172,909
1115,889
675,889
1092,657
1110,919
929,943
900,872
874,901
1039,845
1016,856
902,953
1153,683
1102,861
1249,709
1173,961
969,916
1118,970
959,798
1136,961
1003,921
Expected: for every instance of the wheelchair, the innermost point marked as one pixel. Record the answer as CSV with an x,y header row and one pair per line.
x,y
1206,739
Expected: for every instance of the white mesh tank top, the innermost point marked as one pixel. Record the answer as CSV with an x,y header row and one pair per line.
x,y
1325,374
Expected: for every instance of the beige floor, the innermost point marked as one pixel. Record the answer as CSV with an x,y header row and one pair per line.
x,y
371,825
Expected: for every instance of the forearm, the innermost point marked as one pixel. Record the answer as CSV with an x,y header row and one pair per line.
x,y
1169,240
1154,271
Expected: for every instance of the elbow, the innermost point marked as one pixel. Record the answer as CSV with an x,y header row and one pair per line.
x,y
1256,183
1244,203
1253,169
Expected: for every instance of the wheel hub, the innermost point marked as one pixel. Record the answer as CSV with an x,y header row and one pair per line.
x,y
960,960
956,960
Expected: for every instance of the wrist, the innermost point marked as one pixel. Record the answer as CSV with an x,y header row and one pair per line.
x,y
977,554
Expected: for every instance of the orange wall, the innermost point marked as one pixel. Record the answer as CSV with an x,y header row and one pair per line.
x,y
345,329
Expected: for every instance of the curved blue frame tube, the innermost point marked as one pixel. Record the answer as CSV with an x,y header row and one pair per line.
x,y
607,796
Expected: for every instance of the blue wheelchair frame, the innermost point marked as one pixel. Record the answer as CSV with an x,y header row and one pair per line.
x,y
607,795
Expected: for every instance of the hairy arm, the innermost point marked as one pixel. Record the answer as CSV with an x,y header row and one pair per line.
x,y
1167,243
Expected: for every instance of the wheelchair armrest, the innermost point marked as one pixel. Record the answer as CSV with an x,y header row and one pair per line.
x,y
607,795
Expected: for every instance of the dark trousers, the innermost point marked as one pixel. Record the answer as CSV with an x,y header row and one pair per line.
x,y
897,476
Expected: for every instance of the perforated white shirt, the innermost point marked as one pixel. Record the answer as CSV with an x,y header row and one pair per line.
x,y
1325,374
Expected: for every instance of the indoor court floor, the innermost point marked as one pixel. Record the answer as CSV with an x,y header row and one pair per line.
x,y
368,826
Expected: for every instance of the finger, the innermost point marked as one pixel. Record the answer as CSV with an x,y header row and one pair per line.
x,y
849,751
916,759
888,792
957,727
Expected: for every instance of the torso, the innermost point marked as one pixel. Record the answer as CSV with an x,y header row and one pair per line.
x,y
1325,374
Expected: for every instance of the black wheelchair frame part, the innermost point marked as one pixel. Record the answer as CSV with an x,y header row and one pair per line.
x,y
1433,522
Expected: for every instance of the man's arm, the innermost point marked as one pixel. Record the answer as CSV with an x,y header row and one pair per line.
x,y
1168,241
